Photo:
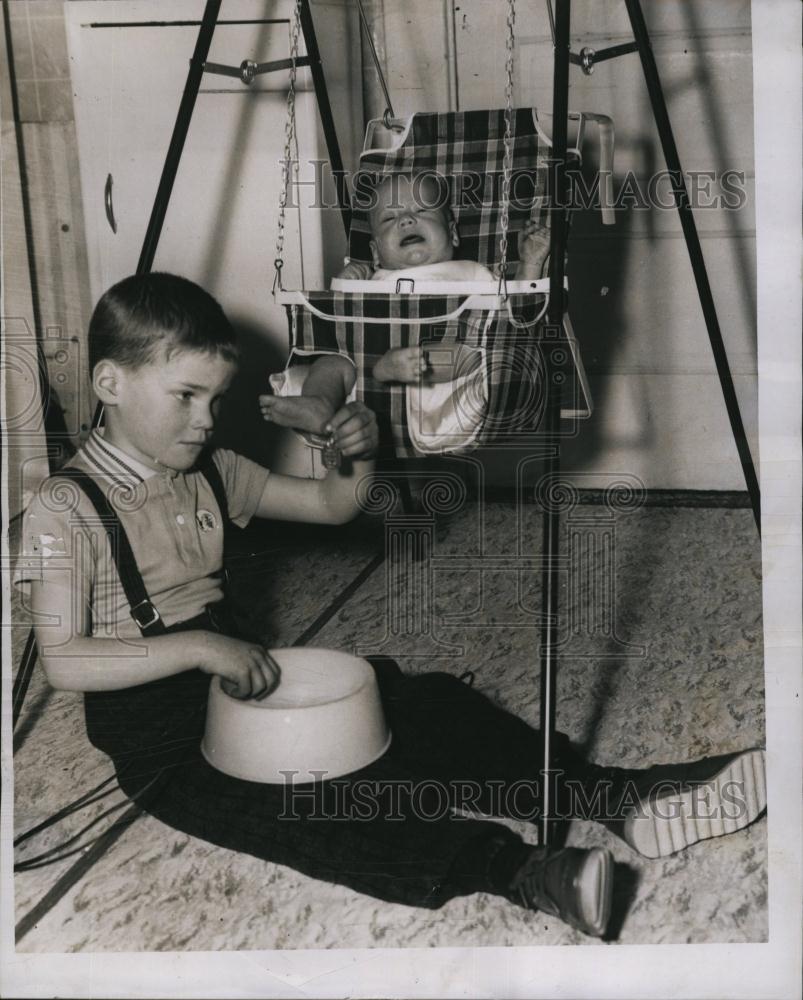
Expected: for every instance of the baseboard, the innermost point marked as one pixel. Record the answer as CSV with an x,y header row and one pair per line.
x,y
729,499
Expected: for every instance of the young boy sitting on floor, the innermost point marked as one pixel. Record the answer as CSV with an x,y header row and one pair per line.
x,y
140,626
414,236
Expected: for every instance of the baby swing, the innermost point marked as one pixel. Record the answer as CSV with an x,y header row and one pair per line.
x,y
495,167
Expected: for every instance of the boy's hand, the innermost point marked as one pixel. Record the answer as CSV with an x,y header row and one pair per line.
x,y
355,271
355,429
245,668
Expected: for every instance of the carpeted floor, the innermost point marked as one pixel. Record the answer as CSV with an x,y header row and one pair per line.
x,y
660,659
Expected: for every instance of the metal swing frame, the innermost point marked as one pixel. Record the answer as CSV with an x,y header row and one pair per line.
x,y
560,23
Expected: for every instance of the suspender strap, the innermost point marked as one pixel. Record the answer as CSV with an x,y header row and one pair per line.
x,y
212,475
142,611
209,470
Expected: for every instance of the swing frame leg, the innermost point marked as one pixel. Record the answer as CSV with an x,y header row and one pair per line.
x,y
551,516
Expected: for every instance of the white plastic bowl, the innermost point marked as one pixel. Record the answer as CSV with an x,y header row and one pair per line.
x,y
324,720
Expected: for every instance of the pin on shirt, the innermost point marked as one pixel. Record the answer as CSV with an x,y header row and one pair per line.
x,y
206,520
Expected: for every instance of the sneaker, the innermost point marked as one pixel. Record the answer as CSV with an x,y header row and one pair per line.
x,y
672,806
571,883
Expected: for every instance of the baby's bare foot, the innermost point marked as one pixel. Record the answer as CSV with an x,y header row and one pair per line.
x,y
304,413
401,364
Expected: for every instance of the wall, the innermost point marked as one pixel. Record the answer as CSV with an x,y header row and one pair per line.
x,y
659,409
413,41
60,275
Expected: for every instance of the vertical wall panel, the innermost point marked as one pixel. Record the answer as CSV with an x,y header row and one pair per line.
x,y
25,448
57,242
60,253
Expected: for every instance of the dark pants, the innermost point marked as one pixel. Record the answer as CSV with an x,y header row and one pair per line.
x,y
386,830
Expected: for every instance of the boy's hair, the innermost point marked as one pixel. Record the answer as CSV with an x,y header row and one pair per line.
x,y
145,313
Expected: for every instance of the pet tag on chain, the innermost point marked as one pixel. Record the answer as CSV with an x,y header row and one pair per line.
x,y
331,453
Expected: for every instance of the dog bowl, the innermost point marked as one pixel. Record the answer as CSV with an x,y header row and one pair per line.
x,y
324,720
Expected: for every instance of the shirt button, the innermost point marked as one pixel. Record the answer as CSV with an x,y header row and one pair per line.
x,y
180,519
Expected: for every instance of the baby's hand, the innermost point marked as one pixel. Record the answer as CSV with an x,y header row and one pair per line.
x,y
355,271
245,668
355,429
402,364
534,244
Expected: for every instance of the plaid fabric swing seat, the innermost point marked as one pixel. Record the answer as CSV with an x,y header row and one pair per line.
x,y
503,399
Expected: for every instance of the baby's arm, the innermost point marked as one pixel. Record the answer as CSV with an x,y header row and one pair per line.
x,y
437,363
74,660
355,271
534,242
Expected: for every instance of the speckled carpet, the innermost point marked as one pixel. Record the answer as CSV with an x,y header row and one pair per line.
x,y
660,659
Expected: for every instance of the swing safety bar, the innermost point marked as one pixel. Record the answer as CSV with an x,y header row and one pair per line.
x,y
478,302
477,294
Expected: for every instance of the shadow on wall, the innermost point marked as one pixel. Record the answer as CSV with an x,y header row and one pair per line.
x,y
60,444
599,266
704,82
250,103
597,298
240,425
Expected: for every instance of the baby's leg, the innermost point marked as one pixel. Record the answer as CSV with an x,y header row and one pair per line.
x,y
330,380
438,363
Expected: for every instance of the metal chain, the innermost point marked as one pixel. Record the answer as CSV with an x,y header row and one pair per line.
x,y
288,165
508,139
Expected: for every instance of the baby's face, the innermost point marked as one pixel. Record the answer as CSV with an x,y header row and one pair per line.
x,y
409,226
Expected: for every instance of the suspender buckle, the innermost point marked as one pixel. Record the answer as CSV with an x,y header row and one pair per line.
x,y
145,614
